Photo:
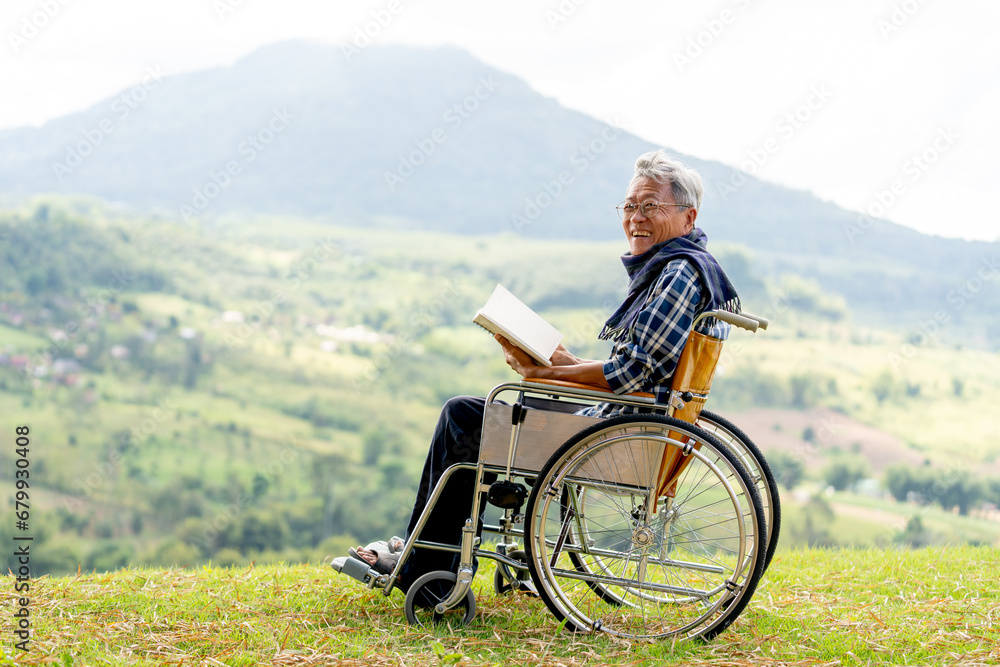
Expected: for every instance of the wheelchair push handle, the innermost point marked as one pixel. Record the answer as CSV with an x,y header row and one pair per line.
x,y
762,322
750,323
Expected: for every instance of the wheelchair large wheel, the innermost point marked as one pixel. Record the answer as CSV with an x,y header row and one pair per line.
x,y
605,554
760,472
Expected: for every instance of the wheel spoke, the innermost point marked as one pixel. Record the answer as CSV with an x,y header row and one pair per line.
x,y
603,561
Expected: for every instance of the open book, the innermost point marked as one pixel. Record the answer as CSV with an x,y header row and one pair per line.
x,y
504,314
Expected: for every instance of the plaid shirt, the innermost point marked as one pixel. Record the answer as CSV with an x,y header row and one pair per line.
x,y
646,359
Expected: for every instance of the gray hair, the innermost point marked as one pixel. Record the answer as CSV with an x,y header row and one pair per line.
x,y
685,183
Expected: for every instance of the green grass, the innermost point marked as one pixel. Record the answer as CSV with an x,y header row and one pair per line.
x,y
850,607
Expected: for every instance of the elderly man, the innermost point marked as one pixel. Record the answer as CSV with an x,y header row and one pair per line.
x,y
672,278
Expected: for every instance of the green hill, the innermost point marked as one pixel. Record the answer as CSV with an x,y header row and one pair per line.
x,y
263,389
403,138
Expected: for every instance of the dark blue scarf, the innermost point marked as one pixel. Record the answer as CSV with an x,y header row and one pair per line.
x,y
646,268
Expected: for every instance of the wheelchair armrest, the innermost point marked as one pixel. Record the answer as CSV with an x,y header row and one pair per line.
x,y
588,387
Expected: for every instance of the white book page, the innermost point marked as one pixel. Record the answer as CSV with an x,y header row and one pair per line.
x,y
520,324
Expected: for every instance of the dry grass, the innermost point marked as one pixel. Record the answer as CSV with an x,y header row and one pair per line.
x,y
924,607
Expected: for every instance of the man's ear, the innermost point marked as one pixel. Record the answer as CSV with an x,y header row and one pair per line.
x,y
692,215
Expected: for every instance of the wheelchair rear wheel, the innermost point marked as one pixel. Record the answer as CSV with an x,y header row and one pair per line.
x,y
605,554
760,472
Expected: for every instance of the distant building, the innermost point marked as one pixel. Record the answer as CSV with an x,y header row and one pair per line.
x,y
62,367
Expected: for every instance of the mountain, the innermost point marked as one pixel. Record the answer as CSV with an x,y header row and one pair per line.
x,y
399,137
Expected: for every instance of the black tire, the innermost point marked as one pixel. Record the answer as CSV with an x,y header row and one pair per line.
x,y
430,589
724,557
753,460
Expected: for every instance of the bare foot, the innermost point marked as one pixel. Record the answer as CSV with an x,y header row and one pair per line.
x,y
367,556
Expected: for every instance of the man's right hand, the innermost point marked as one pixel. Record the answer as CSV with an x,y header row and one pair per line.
x,y
563,357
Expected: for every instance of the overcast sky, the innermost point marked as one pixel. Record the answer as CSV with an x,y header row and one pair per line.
x,y
889,106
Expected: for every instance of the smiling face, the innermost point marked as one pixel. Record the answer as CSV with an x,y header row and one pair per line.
x,y
666,223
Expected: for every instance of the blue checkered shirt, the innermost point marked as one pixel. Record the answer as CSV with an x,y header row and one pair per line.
x,y
645,360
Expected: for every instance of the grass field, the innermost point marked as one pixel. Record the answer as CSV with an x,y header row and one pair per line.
x,y
847,607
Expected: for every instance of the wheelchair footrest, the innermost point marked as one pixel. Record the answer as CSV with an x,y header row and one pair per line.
x,y
354,568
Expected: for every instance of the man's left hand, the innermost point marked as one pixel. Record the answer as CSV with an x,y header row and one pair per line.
x,y
517,358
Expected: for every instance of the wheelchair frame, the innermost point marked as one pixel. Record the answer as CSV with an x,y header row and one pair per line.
x,y
736,488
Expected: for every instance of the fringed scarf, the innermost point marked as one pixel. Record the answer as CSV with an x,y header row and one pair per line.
x,y
646,268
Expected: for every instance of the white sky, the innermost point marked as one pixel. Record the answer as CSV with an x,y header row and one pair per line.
x,y
887,93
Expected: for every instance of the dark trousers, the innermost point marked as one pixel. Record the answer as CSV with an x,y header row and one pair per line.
x,y
456,440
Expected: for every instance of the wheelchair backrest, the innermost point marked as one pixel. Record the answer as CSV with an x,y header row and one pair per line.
x,y
694,373
691,383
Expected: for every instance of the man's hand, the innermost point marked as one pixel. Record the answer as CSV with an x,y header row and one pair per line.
x,y
563,357
517,358
565,366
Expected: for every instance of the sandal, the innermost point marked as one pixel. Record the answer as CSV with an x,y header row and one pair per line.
x,y
385,563
387,558
391,546
387,554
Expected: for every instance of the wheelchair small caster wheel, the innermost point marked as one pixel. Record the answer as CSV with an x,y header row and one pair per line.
x,y
507,580
430,589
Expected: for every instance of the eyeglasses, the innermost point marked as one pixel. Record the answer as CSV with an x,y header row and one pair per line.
x,y
649,208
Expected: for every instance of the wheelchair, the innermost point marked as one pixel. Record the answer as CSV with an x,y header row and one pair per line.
x,y
656,523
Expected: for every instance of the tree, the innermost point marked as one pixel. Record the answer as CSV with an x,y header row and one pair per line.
x,y
957,488
788,469
991,490
845,471
914,535
884,386
378,440
899,479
